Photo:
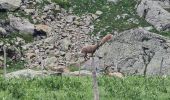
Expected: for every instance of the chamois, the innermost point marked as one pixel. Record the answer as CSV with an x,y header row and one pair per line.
x,y
92,48
89,49
106,38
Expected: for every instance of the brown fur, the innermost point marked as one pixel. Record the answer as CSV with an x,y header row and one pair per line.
x,y
106,38
92,48
89,49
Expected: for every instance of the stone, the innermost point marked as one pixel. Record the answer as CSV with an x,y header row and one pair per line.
x,y
113,1
2,31
10,5
68,56
26,73
116,74
76,73
60,69
29,11
57,8
99,12
42,29
49,7
21,24
30,55
70,18
148,28
154,14
89,66
65,44
50,62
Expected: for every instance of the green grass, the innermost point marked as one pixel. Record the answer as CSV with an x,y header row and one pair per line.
x,y
107,21
73,68
3,15
62,3
13,66
74,88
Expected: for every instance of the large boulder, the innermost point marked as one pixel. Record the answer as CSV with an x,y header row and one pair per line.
x,y
26,73
154,14
21,24
9,5
133,51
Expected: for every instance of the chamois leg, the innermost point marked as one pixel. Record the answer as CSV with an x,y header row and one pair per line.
x,y
85,57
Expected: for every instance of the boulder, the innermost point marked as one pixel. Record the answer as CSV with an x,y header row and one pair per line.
x,y
65,44
10,5
2,31
77,73
133,51
21,24
26,73
113,1
154,14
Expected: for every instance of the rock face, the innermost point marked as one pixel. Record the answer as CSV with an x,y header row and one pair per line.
x,y
133,51
164,3
155,14
9,5
62,46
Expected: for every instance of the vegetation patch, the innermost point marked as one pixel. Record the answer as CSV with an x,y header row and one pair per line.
x,y
3,15
73,68
13,66
80,88
62,3
118,17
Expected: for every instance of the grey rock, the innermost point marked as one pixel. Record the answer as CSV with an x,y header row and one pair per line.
x,y
70,18
88,65
49,7
57,8
29,11
10,5
68,56
113,1
154,14
65,44
26,73
22,25
164,3
148,28
2,31
82,73
99,12
130,51
50,62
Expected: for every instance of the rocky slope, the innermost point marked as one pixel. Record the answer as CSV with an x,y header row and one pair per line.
x,y
58,36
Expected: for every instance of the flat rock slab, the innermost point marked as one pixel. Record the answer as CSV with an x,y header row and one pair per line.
x,y
26,73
